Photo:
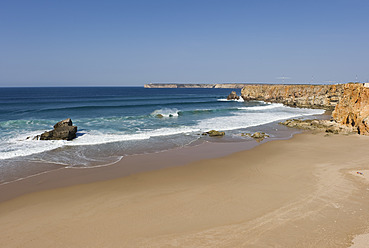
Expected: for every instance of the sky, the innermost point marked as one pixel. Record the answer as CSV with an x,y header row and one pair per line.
x,y
128,43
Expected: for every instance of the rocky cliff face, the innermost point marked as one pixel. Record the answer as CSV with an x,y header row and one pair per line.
x,y
353,107
303,96
350,102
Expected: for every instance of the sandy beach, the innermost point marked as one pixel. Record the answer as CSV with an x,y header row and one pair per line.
x,y
301,192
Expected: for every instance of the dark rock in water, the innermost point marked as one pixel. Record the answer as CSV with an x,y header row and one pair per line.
x,y
64,123
63,130
233,96
214,133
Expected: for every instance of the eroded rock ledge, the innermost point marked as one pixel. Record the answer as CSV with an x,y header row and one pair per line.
x,y
328,126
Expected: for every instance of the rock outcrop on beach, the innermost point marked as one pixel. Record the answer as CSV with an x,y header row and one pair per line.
x,y
63,130
302,96
214,133
353,108
258,136
233,96
328,126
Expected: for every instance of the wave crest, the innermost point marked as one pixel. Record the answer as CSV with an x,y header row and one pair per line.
x,y
233,100
264,107
166,112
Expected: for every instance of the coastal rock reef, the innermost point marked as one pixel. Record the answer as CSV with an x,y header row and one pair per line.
x,y
233,96
328,126
63,130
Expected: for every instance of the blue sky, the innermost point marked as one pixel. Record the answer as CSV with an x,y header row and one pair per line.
x,y
119,43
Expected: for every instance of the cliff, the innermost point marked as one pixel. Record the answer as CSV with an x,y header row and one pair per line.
x,y
224,86
353,107
350,102
303,96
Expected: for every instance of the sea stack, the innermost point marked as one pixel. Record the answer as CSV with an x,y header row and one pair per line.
x,y
233,96
63,130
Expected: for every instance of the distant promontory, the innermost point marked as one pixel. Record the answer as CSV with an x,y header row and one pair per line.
x,y
207,86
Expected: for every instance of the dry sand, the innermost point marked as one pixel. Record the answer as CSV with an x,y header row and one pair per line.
x,y
288,193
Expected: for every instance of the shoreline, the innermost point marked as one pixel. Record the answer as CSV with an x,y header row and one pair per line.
x,y
128,165
51,175
292,193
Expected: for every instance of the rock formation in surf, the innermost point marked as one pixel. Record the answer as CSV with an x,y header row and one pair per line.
x,y
63,130
233,96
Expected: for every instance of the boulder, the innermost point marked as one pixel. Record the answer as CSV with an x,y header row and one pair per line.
x,y
233,96
63,130
214,133
259,135
64,123
246,134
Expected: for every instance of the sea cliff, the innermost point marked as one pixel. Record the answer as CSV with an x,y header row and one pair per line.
x,y
349,102
303,96
353,107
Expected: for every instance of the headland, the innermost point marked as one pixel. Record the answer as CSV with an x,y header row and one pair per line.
x,y
200,85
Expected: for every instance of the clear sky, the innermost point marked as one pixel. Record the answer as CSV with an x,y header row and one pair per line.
x,y
87,43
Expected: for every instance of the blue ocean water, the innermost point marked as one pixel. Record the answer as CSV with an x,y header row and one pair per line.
x,y
117,121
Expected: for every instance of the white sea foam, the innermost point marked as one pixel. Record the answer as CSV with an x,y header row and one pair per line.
x,y
21,146
166,112
264,107
233,100
246,117
249,119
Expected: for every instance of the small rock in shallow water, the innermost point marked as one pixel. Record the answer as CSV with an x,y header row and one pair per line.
x,y
259,136
233,96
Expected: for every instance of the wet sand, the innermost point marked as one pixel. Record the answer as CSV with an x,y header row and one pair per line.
x,y
301,192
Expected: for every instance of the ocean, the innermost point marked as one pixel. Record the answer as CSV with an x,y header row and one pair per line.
x,y
114,122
